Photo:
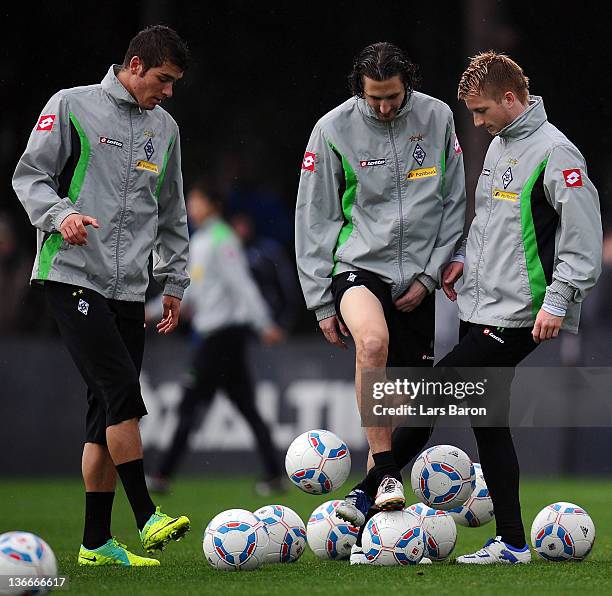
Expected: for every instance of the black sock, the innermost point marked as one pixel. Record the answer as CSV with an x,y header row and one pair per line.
x,y
369,515
384,465
98,508
133,479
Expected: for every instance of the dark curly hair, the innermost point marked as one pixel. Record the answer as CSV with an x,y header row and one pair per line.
x,y
379,62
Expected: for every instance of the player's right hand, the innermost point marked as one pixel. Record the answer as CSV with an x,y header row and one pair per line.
x,y
330,328
272,335
73,229
452,272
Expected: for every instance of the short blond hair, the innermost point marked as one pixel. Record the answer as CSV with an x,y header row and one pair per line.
x,y
493,74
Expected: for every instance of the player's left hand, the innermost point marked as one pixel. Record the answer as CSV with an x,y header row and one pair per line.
x,y
412,298
170,319
546,326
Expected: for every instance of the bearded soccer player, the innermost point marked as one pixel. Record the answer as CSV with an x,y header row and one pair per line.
x,y
380,209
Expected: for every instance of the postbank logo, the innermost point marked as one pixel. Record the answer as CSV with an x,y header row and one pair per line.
x,y
502,195
422,173
141,164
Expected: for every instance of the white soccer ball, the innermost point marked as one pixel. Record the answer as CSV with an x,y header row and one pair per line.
x,y
393,538
287,533
478,509
443,477
563,532
235,540
327,535
440,530
22,553
318,462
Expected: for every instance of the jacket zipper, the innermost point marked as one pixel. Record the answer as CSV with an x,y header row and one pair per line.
x,y
484,229
123,209
399,200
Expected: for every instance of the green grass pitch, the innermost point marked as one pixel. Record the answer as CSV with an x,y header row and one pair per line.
x,y
53,509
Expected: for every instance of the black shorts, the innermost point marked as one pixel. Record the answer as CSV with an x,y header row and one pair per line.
x,y
106,341
411,334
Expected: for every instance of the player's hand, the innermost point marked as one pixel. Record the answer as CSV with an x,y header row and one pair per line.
x,y
170,319
73,229
330,328
272,335
452,272
546,326
412,298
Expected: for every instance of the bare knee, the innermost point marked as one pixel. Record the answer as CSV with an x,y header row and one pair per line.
x,y
372,350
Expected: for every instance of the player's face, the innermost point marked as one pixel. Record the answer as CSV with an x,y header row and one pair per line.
x,y
489,113
384,97
154,85
198,207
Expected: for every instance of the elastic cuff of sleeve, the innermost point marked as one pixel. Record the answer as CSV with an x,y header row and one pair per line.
x,y
174,290
427,281
555,300
553,310
560,287
324,312
458,258
60,216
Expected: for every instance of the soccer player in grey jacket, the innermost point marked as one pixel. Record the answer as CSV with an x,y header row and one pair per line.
x,y
108,156
380,208
534,251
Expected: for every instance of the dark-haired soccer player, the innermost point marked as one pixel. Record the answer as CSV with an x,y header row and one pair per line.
x,y
380,208
108,156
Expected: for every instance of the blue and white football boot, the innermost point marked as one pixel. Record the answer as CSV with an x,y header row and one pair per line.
x,y
354,507
497,551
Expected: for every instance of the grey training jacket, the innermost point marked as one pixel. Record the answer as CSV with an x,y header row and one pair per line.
x,y
222,291
385,197
536,238
94,151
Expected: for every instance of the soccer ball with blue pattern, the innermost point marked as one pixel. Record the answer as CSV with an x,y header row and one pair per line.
x,y
22,553
287,533
235,540
563,532
327,535
478,509
318,462
443,477
440,530
393,538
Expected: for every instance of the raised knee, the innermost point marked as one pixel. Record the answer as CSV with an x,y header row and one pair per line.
x,y
372,350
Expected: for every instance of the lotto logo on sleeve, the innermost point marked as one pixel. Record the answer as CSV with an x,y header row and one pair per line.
x,y
457,147
308,163
46,122
572,177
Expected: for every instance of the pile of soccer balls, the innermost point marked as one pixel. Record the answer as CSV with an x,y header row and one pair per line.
x,y
451,490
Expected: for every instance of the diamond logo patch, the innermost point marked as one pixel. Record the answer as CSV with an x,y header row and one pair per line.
x,y
149,149
507,177
419,155
83,307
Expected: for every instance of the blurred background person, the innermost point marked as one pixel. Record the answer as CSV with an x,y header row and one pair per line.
x,y
272,270
225,306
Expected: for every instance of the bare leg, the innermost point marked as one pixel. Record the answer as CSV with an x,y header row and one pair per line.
x,y
99,473
365,319
124,444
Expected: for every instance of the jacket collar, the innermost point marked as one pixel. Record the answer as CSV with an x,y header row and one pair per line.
x,y
528,122
370,115
114,87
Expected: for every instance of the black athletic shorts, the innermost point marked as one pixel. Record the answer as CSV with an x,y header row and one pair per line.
x,y
106,341
411,334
